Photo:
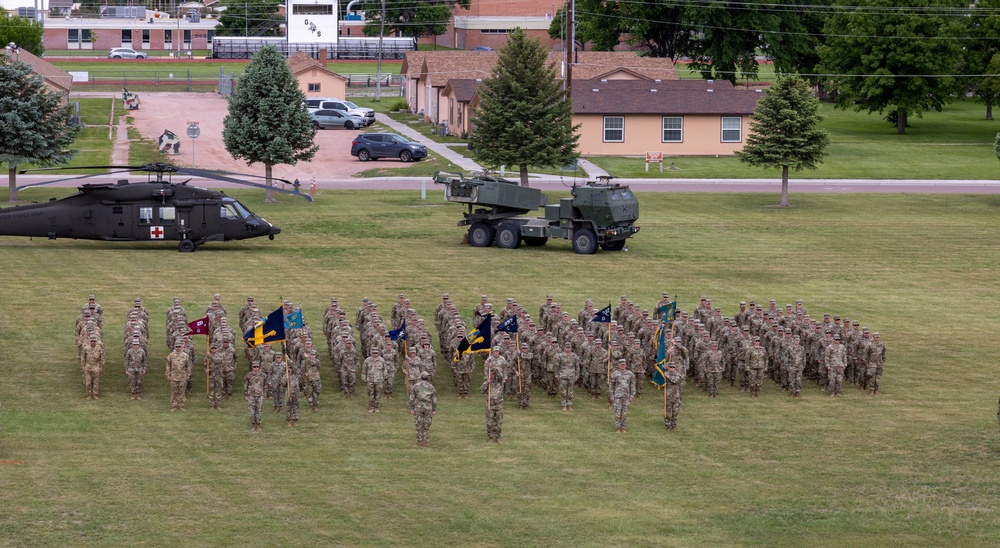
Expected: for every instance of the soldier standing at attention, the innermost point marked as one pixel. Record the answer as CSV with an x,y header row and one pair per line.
x,y
135,368
463,370
227,355
312,378
713,369
622,388
253,389
423,405
876,360
279,380
493,388
292,394
179,368
214,368
567,373
92,363
835,363
674,388
756,366
373,372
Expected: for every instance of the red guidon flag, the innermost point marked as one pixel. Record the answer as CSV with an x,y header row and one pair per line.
x,y
198,327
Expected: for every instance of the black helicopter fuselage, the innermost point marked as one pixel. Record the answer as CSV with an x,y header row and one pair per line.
x,y
148,211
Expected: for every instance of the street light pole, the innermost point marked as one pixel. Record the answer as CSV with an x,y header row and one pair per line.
x,y
378,70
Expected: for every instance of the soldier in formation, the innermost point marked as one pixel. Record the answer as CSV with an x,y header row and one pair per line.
x,y
373,371
423,406
622,388
179,367
493,388
253,391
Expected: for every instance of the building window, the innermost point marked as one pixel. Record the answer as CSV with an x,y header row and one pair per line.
x,y
126,37
312,9
209,36
614,129
494,31
168,38
673,129
187,38
313,87
732,129
145,39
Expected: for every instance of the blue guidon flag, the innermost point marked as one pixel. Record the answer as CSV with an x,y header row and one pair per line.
x,y
294,320
508,326
269,331
603,315
479,340
400,333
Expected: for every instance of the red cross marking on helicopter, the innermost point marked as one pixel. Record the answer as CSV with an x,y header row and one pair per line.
x,y
156,232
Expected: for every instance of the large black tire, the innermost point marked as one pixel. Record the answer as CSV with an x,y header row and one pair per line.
x,y
509,236
584,241
535,241
348,125
364,155
616,245
316,125
481,235
185,246
406,156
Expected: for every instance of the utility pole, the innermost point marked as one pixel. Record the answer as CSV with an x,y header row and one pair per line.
x,y
378,70
570,11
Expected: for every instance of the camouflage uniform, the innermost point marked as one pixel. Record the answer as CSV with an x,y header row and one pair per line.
x,y
227,355
523,369
312,378
493,387
423,406
135,369
795,357
756,359
622,388
463,373
253,390
674,389
835,361
215,369
876,360
713,369
179,368
292,401
92,364
569,368
373,371
278,382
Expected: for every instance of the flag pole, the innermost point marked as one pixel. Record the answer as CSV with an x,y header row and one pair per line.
x,y
406,366
208,365
608,376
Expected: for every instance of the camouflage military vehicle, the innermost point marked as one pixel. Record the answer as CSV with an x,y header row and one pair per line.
x,y
597,214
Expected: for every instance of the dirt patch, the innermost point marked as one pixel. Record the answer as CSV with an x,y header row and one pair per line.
x,y
173,111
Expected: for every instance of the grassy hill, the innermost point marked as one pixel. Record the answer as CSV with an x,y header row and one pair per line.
x,y
914,466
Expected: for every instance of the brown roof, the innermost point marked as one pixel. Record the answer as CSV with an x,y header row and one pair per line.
x,y
441,66
463,89
301,62
664,97
594,64
54,76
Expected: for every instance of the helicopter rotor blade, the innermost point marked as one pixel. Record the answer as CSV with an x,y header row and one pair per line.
x,y
225,177
74,178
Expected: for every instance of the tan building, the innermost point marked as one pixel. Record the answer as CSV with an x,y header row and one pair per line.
x,y
458,95
488,23
315,80
427,73
675,117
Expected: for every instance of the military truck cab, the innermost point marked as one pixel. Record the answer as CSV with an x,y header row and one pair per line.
x,y
596,214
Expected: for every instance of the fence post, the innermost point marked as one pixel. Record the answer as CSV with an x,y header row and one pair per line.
x,y
189,79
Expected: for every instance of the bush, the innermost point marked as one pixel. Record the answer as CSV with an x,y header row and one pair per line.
x,y
400,104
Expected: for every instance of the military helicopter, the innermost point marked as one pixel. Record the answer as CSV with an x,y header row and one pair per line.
x,y
153,210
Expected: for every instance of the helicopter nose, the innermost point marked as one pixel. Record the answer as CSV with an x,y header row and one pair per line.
x,y
274,230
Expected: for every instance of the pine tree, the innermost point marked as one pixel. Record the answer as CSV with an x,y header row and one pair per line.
x,y
785,131
268,121
524,117
35,123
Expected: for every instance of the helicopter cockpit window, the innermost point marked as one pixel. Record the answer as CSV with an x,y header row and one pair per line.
x,y
228,212
145,215
168,214
243,212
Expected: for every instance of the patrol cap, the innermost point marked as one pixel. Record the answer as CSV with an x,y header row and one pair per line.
x,y
445,296
215,345
412,350
598,342
875,334
677,339
250,298
568,344
93,337
216,296
864,330
136,300
837,318
425,374
836,336
136,340
278,356
524,345
665,294
178,343
333,300
826,315
788,330
756,339
715,343
772,301
376,351
91,297
483,297
621,360
254,365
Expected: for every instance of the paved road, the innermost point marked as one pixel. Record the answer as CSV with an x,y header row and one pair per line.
x,y
639,185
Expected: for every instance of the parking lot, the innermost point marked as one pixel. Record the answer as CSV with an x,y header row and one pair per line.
x,y
174,111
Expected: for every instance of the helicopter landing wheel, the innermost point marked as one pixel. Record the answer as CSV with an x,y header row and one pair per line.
x,y
186,246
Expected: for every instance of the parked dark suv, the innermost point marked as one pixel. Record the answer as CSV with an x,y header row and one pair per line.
x,y
372,146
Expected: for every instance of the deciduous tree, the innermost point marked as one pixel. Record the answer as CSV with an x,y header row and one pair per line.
x,y
268,121
524,117
785,132
249,18
26,33
410,17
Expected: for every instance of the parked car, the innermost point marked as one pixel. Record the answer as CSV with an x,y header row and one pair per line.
x,y
327,117
372,146
482,48
317,103
125,53
369,112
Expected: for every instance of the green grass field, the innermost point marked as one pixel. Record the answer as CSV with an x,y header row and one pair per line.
x,y
914,467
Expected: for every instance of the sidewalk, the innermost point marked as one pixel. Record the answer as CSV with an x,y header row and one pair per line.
x,y
467,164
